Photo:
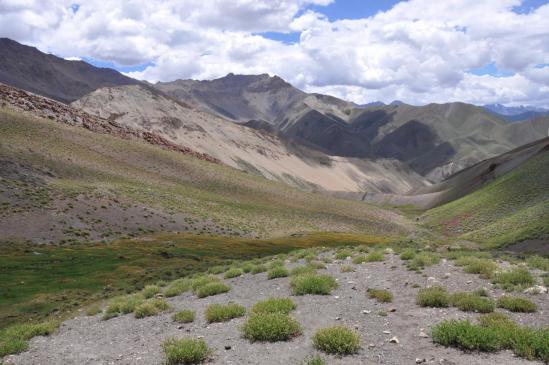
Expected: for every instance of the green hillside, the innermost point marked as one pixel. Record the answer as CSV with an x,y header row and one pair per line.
x,y
63,182
514,207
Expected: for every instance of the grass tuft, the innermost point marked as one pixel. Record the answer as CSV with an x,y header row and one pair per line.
x,y
258,269
338,340
151,308
271,327
312,284
186,351
13,339
224,312
150,291
314,360
375,256
177,287
277,272
407,254
516,304
347,268
233,273
300,270
434,296
381,295
513,279
469,302
212,289
184,316
274,305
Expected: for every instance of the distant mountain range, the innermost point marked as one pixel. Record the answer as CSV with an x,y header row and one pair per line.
x,y
516,113
267,127
45,74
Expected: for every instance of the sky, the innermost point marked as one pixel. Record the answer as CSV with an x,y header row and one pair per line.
x,y
417,51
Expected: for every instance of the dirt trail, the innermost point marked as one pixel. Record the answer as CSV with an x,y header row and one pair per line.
x,y
126,340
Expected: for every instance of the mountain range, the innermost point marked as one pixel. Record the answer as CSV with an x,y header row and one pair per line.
x,y
263,125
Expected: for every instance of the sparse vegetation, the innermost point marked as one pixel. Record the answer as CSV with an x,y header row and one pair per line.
x,y
177,287
423,259
469,302
274,305
515,278
343,254
206,286
186,351
407,254
150,291
474,265
538,262
271,327
233,273
258,269
184,316
338,340
495,332
224,312
435,296
312,284
375,256
357,260
151,307
516,304
381,295
123,305
314,360
277,272
14,339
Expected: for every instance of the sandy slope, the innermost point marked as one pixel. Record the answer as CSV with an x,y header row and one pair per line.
x,y
246,148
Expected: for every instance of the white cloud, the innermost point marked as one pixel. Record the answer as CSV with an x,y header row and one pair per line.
x,y
419,51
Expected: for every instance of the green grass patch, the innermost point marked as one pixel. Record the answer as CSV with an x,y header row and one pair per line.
x,y
258,269
469,302
343,254
123,305
538,262
184,316
274,305
233,273
435,296
407,254
516,304
515,278
186,351
422,260
177,287
481,266
150,291
212,289
151,307
300,270
337,340
312,284
314,360
270,327
277,272
495,332
381,295
375,256
14,339
224,312
357,260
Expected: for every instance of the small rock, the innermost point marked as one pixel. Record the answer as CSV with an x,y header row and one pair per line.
x,y
423,334
447,275
338,318
469,281
336,296
420,361
394,340
393,309
386,332
430,278
372,345
228,347
536,289
366,311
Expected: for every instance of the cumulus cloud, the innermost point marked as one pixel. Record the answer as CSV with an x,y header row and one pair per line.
x,y
419,51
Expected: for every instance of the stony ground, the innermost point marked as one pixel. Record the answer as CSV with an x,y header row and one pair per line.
x,y
127,340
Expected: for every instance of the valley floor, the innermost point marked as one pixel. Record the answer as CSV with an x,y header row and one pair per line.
x,y
127,340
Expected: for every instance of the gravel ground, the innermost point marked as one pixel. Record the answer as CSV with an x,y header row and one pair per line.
x,y
127,340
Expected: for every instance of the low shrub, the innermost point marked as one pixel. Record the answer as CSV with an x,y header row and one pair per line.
x,y
123,305
224,312
469,302
277,272
271,327
300,270
210,289
312,284
151,307
338,340
233,273
516,278
184,316
538,262
216,270
407,254
381,295
343,254
186,351
357,260
495,332
258,269
516,304
150,291
317,265
435,296
93,310
14,339
422,260
314,360
375,256
203,280
274,305
177,287
247,267
483,267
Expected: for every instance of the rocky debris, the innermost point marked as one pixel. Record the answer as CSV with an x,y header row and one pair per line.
x,y
394,339
46,108
536,289
420,361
